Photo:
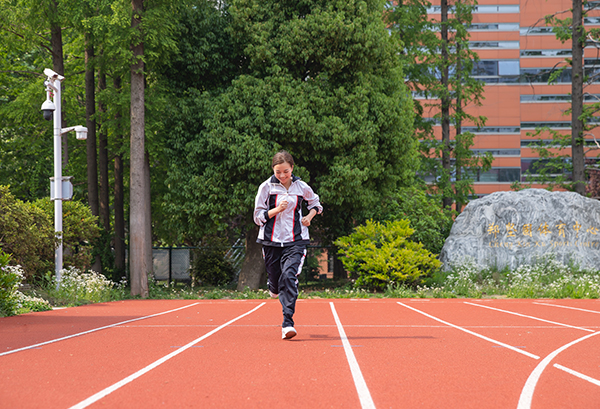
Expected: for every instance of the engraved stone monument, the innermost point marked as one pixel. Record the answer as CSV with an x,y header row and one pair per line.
x,y
507,229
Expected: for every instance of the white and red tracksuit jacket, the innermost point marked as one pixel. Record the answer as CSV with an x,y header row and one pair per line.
x,y
285,228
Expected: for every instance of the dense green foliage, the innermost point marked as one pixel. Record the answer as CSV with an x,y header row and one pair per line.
x,y
431,222
27,233
80,231
9,283
210,267
319,79
380,254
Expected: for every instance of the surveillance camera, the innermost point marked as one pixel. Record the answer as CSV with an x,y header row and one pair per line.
x,y
51,74
48,109
81,132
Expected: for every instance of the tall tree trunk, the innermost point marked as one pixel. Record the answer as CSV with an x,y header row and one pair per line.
x,y
90,123
103,199
445,108
458,139
252,274
119,201
140,240
577,138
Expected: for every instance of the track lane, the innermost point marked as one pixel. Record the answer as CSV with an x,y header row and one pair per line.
x,y
30,330
249,365
552,343
409,360
536,337
65,373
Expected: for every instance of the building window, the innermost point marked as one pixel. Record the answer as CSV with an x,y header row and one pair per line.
x,y
500,175
542,75
533,166
558,98
591,5
498,152
504,45
493,27
487,9
502,8
496,71
492,129
484,68
536,31
494,175
552,125
549,143
546,53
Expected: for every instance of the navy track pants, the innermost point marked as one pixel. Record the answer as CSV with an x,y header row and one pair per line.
x,y
284,265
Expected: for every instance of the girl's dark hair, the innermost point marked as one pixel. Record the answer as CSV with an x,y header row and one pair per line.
x,y
282,157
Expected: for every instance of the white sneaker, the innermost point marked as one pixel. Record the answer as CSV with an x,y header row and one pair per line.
x,y
288,333
273,295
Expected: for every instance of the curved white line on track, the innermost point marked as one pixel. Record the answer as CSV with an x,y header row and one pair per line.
x,y
132,377
364,395
567,307
529,388
529,316
94,330
473,333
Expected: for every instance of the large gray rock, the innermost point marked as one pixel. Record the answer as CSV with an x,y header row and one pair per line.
x,y
507,229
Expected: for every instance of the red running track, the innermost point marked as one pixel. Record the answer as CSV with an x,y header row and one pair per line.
x,y
372,353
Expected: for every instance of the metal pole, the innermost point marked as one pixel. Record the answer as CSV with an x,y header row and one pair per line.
x,y
58,210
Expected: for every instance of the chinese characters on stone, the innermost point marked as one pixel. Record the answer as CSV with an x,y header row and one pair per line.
x,y
545,235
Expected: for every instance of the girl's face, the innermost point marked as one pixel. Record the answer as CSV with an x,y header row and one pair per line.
x,y
283,172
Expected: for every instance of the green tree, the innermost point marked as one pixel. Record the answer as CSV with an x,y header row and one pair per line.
x,y
439,66
319,79
430,221
557,167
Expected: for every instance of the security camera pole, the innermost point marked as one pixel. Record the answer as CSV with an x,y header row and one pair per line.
x,y
57,194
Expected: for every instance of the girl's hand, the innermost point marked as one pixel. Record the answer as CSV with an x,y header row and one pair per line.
x,y
283,205
306,221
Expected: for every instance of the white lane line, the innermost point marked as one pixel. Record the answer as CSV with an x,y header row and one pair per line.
x,y
473,333
570,308
578,374
529,388
105,392
359,381
94,330
529,316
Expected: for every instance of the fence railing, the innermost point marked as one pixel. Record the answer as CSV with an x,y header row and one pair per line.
x,y
175,263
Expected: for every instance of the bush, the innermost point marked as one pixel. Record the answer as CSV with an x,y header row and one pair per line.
x,y
27,233
210,266
379,255
80,232
430,221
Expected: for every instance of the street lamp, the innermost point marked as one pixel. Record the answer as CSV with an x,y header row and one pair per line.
x,y
52,108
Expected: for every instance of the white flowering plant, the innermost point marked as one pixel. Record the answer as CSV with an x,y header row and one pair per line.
x,y
79,287
10,280
13,301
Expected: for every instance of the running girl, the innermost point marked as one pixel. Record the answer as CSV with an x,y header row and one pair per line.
x,y
284,232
